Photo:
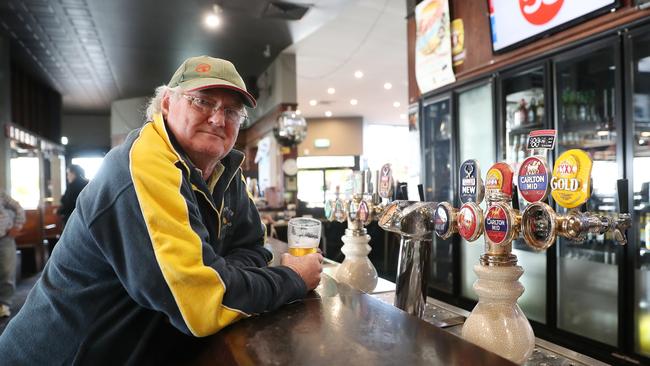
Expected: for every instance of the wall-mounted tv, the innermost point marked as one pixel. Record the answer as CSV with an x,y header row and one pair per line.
x,y
514,23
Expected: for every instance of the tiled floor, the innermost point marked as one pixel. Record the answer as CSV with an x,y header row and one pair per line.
x,y
23,288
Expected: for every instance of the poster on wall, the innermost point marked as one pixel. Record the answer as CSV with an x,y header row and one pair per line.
x,y
433,65
514,23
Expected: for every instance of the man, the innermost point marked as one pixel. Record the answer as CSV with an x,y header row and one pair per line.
x,y
12,219
164,245
76,177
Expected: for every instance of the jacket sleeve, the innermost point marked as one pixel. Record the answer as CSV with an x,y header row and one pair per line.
x,y
154,238
249,233
12,204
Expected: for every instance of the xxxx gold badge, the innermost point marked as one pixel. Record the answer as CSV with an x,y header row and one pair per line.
x,y
570,182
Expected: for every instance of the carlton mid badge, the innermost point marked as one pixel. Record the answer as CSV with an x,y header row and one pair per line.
x,y
498,224
570,182
533,179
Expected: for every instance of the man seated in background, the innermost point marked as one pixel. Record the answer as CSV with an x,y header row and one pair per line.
x,y
165,244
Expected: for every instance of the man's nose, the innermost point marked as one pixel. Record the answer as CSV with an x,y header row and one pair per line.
x,y
217,117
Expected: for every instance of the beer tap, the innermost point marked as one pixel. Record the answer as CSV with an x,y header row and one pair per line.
x,y
364,205
468,219
571,188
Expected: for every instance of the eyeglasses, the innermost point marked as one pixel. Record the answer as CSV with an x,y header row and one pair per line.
x,y
206,107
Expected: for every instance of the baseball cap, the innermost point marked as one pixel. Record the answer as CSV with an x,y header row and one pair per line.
x,y
205,72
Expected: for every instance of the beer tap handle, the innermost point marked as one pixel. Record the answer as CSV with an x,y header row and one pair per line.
x,y
515,197
623,221
367,181
421,192
623,196
376,198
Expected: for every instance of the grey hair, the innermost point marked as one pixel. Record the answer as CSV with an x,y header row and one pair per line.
x,y
155,103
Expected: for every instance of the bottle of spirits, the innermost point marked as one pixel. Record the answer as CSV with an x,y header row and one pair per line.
x,y
540,109
532,112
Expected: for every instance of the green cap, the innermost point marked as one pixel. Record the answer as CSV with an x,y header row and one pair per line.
x,y
205,72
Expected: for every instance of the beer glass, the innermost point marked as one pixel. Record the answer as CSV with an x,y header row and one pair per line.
x,y
303,235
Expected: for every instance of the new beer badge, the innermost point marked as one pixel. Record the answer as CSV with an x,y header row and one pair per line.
x,y
471,184
533,179
570,182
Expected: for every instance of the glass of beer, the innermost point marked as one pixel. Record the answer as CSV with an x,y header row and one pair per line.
x,y
303,234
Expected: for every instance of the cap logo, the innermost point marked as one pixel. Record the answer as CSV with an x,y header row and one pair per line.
x,y
202,68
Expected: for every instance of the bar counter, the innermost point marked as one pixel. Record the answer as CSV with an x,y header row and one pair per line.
x,y
338,325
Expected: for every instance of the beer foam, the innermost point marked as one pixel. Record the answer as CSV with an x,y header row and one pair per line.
x,y
303,241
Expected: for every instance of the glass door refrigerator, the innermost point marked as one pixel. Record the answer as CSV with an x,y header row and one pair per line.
x,y
638,112
438,182
523,109
587,111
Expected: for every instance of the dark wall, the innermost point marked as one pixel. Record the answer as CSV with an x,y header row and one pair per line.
x,y
88,134
34,105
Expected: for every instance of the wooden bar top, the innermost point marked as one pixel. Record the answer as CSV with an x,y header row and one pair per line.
x,y
338,325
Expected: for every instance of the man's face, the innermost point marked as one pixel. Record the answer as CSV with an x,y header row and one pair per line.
x,y
203,134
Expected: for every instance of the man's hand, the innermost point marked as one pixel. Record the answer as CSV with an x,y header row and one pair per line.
x,y
15,231
308,267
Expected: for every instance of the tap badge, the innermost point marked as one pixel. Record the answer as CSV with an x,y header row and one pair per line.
x,y
471,184
328,209
499,179
363,212
496,224
469,226
570,182
533,179
441,220
385,181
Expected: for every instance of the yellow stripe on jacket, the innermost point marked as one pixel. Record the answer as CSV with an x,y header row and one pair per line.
x,y
197,289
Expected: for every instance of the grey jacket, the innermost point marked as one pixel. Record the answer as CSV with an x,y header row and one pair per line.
x,y
11,214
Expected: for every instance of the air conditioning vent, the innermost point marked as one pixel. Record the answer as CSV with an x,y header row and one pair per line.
x,y
285,10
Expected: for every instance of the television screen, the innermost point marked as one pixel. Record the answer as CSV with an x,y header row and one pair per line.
x,y
516,22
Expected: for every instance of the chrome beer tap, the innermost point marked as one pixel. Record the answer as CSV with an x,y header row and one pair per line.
x,y
571,188
364,205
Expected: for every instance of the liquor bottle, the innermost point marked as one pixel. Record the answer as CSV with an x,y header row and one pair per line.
x,y
512,155
532,112
540,109
522,114
521,153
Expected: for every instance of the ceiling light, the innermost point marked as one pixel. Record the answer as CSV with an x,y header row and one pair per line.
x,y
396,104
354,101
328,114
402,116
313,102
298,112
212,21
358,74
388,86
331,90
64,140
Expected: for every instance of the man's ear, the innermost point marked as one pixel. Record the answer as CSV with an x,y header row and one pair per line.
x,y
164,104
